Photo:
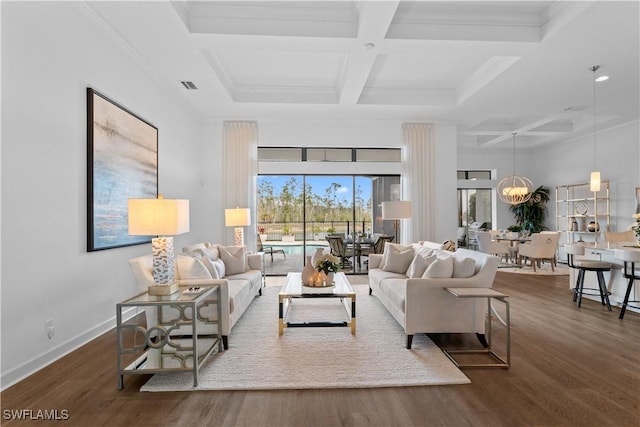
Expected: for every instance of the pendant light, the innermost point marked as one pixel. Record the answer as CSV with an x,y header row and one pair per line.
x,y
594,181
514,189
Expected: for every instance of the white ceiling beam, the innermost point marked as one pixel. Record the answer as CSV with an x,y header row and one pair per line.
x,y
491,129
374,19
484,75
523,129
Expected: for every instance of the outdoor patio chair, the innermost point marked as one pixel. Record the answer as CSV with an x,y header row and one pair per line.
x,y
269,249
339,249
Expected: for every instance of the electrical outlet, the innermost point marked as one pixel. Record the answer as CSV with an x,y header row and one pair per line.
x,y
49,329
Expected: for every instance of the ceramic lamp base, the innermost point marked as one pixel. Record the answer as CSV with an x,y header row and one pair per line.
x,y
164,289
238,236
163,261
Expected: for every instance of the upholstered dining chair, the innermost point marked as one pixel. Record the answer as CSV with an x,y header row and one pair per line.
x,y
622,236
543,247
488,246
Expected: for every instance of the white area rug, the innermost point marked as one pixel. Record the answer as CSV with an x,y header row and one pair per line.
x,y
303,358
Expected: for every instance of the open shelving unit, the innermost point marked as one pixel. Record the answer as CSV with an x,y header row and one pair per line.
x,y
576,207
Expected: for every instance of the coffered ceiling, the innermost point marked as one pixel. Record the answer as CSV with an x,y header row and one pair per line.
x,y
490,67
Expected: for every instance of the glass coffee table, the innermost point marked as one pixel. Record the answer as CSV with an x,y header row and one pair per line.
x,y
293,288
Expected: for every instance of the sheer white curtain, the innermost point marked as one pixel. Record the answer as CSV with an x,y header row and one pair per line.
x,y
417,179
240,171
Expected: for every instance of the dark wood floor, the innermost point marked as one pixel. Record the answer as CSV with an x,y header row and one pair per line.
x,y
571,367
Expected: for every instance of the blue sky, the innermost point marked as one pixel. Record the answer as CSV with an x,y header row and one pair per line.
x,y
319,183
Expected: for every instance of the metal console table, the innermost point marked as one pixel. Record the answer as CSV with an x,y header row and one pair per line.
x,y
489,294
172,345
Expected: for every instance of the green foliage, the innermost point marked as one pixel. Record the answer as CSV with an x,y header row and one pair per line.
x,y
531,214
287,203
514,228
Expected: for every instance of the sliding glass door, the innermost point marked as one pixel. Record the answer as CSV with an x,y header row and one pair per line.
x,y
296,213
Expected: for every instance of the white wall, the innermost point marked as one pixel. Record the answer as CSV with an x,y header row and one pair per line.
x,y
46,271
572,162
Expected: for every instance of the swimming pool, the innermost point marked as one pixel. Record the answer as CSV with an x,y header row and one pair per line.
x,y
296,249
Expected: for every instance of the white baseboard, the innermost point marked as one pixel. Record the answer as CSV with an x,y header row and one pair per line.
x,y
33,365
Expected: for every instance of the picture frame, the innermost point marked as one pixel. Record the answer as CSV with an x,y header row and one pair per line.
x,y
122,163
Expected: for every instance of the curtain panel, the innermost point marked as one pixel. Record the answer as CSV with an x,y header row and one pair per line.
x,y
417,179
240,172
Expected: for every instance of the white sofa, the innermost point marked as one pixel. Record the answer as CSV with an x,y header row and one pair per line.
x,y
423,305
193,268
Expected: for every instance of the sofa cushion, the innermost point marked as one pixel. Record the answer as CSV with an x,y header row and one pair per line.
x,y
234,258
190,268
393,288
441,268
238,288
463,267
419,265
396,258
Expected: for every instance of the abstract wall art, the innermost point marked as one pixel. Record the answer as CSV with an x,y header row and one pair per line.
x,y
122,163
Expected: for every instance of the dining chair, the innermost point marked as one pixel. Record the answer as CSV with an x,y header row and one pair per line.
x,y
339,249
543,247
622,236
488,246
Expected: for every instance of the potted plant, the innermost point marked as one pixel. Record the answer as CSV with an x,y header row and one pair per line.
x,y
262,232
329,265
287,236
636,227
531,214
514,230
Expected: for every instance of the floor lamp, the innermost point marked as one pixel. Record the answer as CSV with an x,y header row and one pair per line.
x,y
162,218
238,218
396,210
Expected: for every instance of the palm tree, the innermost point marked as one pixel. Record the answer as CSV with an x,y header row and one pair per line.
x,y
531,214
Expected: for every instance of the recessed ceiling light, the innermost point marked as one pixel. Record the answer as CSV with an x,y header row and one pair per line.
x,y
575,108
602,78
369,46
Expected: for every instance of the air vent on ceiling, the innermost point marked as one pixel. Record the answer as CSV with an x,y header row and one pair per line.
x,y
189,85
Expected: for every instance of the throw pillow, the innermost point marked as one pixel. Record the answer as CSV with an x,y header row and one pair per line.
x,y
419,265
211,267
219,266
397,258
389,247
234,258
425,252
463,268
190,268
211,252
441,268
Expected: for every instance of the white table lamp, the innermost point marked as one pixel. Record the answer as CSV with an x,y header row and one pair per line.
x,y
161,218
396,210
238,218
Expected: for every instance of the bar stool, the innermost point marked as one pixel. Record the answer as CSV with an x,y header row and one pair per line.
x,y
588,265
630,257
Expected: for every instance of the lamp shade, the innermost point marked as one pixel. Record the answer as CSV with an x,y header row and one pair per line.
x,y
594,183
396,209
158,217
238,217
